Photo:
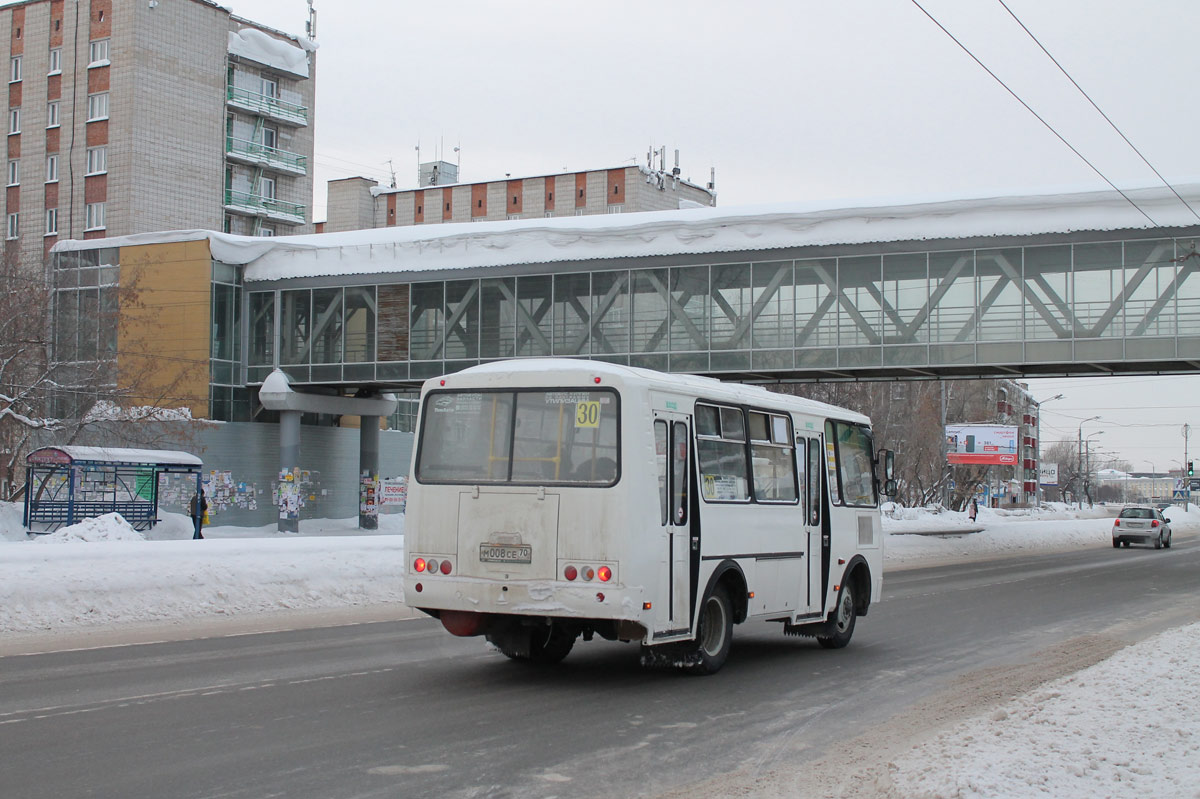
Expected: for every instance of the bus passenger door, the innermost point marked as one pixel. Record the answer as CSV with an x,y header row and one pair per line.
x,y
810,460
672,599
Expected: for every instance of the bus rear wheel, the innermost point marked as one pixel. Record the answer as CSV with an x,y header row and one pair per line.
x,y
842,626
714,634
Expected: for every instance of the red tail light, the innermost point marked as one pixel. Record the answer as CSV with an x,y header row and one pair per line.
x,y
1117,523
1154,523
419,564
570,573
446,567
604,573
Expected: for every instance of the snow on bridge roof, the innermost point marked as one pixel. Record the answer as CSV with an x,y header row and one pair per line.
x,y
420,248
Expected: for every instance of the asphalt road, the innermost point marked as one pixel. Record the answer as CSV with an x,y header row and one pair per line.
x,y
402,709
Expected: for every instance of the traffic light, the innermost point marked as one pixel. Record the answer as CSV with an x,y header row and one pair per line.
x,y
1191,471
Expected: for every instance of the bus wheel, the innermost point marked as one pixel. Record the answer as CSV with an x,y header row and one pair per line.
x,y
842,625
552,646
715,633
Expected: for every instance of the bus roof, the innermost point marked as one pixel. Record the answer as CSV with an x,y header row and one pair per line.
x,y
550,371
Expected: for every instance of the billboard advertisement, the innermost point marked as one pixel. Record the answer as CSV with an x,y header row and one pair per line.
x,y
981,443
1048,474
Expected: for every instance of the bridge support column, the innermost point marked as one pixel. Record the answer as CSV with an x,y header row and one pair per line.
x,y
368,470
289,462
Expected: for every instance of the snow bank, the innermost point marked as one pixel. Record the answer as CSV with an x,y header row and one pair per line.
x,y
109,527
1126,727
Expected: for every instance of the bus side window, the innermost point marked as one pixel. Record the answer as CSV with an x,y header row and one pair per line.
x,y
679,472
660,462
802,466
814,482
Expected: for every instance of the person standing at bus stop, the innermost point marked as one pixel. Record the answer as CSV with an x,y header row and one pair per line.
x,y
974,509
198,510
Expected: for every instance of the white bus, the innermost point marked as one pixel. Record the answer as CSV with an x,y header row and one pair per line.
x,y
553,498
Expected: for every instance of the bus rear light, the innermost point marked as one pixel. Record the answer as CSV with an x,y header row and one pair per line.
x,y
595,380
419,565
588,573
647,605
419,588
446,567
750,595
604,573
431,566
599,597
570,573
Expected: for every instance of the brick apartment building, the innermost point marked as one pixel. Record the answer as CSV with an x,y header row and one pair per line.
x,y
359,203
129,116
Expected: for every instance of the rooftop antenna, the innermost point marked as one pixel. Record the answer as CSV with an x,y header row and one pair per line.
x,y
392,169
458,158
310,27
418,149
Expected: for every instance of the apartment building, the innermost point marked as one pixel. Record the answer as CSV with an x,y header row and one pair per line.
x,y
360,203
129,116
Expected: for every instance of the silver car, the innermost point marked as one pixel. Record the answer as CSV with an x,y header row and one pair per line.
x,y
1144,525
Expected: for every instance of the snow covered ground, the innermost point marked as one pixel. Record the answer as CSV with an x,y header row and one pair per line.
x,y
1094,733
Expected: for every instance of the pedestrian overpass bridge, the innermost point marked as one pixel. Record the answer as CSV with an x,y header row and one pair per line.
x,y
1080,283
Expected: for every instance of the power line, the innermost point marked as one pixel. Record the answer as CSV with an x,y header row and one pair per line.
x,y
1036,115
1112,124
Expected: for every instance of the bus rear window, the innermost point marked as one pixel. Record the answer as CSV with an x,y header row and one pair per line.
x,y
520,437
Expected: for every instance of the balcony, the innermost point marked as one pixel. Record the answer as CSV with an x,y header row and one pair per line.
x,y
263,105
258,154
243,202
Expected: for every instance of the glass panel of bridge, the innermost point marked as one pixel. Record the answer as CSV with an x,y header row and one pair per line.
x,y
572,313
1149,293
774,305
859,283
262,328
998,273
610,312
1099,281
689,312
535,304
651,310
327,326
1188,292
462,319
1049,292
498,315
816,312
295,319
426,321
360,324
729,306
905,297
952,297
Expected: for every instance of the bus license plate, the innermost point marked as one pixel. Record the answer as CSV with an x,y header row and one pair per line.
x,y
490,553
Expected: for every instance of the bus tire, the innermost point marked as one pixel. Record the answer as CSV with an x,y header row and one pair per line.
x,y
714,633
841,627
552,647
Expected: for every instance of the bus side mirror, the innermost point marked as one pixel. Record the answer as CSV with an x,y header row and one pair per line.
x,y
888,458
889,488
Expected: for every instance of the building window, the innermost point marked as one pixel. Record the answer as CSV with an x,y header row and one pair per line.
x,y
14,173
549,214
266,230
55,61
51,221
14,120
270,137
616,209
52,169
97,106
270,88
95,216
98,53
52,114
514,216
12,226
14,72
266,188
97,160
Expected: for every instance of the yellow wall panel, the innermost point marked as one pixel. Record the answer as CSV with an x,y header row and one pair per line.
x,y
165,323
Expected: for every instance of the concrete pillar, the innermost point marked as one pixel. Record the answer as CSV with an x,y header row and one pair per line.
x,y
368,470
289,462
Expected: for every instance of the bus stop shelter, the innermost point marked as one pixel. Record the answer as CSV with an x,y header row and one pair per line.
x,y
65,485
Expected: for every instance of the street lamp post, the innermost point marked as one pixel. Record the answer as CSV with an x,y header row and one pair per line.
x,y
1080,453
1087,468
1037,431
